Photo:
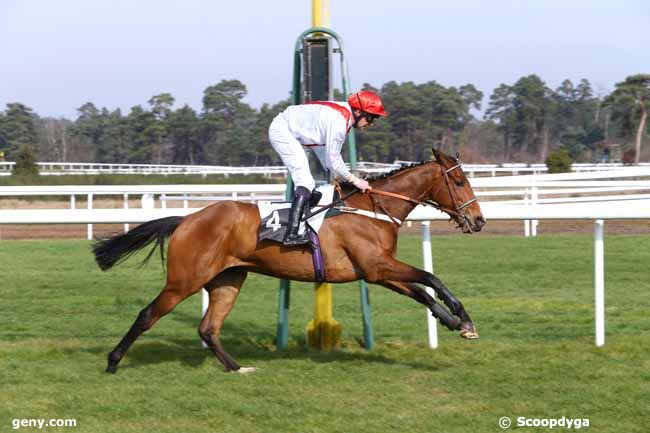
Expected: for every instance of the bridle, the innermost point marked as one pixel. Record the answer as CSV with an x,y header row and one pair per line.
x,y
456,211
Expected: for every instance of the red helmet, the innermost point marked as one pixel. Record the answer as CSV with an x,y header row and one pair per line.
x,y
368,102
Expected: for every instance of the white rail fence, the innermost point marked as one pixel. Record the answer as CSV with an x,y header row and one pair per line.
x,y
630,204
529,190
145,193
87,168
518,191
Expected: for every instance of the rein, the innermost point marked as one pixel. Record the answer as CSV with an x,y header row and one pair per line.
x,y
457,211
331,205
394,195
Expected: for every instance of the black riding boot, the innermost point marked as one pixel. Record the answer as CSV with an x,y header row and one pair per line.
x,y
300,201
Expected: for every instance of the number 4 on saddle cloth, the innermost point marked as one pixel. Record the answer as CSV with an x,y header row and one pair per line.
x,y
275,215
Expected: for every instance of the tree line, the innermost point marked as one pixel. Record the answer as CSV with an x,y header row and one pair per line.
x,y
523,121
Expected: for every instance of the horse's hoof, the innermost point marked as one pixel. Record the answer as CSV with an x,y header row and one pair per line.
x,y
468,331
111,369
244,370
469,335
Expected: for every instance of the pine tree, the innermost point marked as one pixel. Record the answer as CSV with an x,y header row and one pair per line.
x,y
25,162
19,129
631,102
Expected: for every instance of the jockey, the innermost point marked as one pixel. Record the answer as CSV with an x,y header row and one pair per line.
x,y
321,126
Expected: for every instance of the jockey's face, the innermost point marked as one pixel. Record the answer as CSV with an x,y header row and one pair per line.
x,y
363,120
370,118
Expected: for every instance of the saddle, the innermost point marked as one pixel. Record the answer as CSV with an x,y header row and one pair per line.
x,y
275,217
274,220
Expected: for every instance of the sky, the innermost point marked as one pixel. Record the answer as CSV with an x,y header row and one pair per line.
x,y
57,55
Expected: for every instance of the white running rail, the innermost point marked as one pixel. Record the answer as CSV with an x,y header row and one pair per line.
x,y
89,168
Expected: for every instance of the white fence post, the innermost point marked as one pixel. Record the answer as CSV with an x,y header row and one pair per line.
x,y
147,201
205,301
427,259
526,222
599,285
126,206
534,223
89,228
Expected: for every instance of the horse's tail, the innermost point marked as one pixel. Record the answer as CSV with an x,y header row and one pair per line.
x,y
116,249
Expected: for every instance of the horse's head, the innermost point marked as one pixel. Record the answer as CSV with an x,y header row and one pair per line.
x,y
454,194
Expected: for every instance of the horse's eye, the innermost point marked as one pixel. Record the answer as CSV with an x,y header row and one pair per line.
x,y
460,183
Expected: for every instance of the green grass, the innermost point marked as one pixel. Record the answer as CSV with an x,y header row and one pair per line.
x,y
532,300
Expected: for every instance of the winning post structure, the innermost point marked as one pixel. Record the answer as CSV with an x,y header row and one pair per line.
x,y
312,81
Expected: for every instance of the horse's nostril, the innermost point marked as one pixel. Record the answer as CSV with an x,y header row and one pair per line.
x,y
479,221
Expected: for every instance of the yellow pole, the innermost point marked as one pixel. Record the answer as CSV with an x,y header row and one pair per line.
x,y
317,13
323,332
320,14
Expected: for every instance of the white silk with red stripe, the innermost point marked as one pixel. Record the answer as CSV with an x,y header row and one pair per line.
x,y
317,126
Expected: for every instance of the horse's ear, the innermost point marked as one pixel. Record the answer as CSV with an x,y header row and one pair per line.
x,y
436,154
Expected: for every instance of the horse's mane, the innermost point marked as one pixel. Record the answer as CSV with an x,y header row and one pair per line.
x,y
398,170
347,185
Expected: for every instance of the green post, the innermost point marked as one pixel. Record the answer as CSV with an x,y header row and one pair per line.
x,y
368,339
283,298
284,294
282,335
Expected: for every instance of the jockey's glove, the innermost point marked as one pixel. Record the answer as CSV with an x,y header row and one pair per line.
x,y
362,184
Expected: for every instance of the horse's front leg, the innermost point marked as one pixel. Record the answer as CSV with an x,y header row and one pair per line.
x,y
393,270
420,295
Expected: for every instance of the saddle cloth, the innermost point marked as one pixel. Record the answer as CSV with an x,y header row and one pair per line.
x,y
275,216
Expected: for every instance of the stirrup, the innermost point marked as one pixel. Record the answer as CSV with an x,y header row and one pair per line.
x,y
293,240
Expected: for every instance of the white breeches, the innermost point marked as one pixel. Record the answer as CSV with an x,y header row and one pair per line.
x,y
291,152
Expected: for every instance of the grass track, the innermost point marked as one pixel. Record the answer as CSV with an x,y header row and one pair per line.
x,y
531,298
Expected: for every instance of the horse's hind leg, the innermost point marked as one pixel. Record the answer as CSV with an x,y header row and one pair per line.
x,y
163,304
223,289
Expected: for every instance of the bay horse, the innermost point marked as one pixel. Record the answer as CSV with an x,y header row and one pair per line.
x,y
216,247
